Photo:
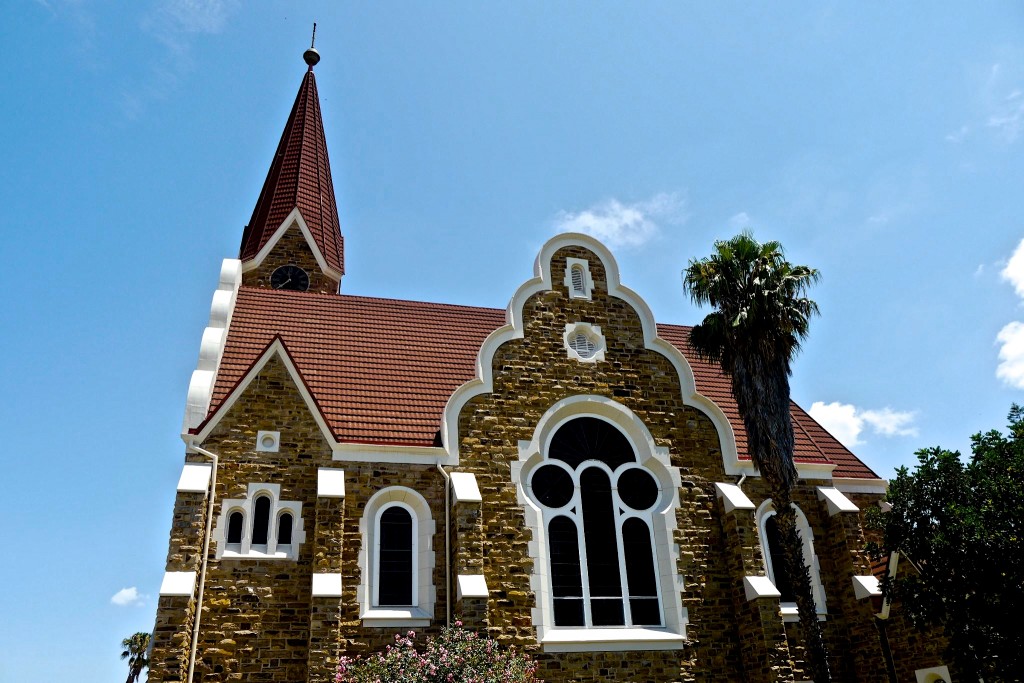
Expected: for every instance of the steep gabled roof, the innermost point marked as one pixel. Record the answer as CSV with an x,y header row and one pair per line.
x,y
299,176
382,370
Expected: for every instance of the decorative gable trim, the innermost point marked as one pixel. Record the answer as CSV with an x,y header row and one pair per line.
x,y
276,348
514,329
293,219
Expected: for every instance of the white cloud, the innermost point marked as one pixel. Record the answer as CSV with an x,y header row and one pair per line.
x,y
846,422
1014,270
127,597
740,221
957,136
1011,355
1008,117
624,225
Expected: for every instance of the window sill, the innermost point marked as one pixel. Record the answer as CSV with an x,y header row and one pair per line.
x,y
390,617
610,639
256,555
791,615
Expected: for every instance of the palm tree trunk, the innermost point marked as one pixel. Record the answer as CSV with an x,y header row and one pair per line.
x,y
761,388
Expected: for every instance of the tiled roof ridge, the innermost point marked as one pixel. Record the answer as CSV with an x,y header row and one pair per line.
x,y
299,177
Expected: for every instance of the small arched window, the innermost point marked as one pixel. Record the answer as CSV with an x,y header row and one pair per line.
x,y
771,547
284,529
261,521
579,287
235,522
777,563
396,574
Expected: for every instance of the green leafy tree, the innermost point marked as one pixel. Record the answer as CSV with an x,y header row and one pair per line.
x,y
456,655
959,524
136,650
762,314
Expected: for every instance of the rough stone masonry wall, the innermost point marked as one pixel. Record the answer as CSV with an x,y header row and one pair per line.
x,y
291,249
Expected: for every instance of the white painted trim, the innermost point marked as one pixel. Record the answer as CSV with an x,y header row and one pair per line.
x,y
593,335
894,560
402,455
857,485
465,488
326,585
936,674
733,497
759,587
588,279
330,483
195,478
247,550
178,584
395,617
836,501
211,348
294,219
766,510
866,587
610,640
471,586
268,442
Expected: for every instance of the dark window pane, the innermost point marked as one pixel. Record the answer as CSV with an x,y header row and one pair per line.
x,y
395,571
569,612
588,438
261,521
606,612
284,529
235,527
565,559
599,534
645,611
781,578
552,486
636,544
638,489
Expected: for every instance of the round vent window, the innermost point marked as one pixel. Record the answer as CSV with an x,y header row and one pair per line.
x,y
582,345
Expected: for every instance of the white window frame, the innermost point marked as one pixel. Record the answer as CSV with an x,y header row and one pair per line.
x,y
661,520
247,549
588,280
421,612
591,332
789,609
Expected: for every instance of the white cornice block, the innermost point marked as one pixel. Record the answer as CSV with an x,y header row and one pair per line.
x,y
760,587
195,478
178,583
836,501
866,587
326,585
733,497
472,586
330,483
464,487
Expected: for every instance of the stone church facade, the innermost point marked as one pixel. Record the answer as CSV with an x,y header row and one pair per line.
x,y
564,475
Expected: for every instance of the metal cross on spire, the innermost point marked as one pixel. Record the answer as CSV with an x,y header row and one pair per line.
x,y
311,56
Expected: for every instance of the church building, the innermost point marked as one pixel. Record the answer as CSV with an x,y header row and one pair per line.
x,y
563,475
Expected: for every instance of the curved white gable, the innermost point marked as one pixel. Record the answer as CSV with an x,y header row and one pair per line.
x,y
513,329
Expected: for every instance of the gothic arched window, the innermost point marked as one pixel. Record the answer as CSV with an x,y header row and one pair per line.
x,y
597,502
235,522
261,521
284,529
396,574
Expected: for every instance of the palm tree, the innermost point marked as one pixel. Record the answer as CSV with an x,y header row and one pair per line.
x,y
761,316
136,651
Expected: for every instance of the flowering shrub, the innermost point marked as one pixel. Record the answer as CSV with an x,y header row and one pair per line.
x,y
455,656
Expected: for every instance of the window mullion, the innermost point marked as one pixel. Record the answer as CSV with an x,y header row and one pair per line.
x,y
623,574
581,540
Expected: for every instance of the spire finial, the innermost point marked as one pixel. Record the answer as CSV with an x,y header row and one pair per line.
x,y
311,56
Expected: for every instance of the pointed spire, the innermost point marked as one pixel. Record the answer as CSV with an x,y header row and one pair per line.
x,y
299,176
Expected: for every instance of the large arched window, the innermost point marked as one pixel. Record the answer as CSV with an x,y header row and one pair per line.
x,y
597,502
771,547
396,549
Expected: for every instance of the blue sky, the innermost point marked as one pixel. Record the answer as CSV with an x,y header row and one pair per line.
x,y
882,145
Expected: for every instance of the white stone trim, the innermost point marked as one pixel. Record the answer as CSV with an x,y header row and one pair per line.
x,y
464,487
836,501
936,674
866,587
195,478
424,593
389,453
588,280
330,483
471,586
593,335
178,584
326,585
766,510
755,587
211,348
268,442
733,497
247,549
294,219
858,485
657,461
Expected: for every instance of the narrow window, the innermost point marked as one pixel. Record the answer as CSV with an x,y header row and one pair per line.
x,y
566,584
602,548
395,570
578,280
779,576
235,528
284,529
261,521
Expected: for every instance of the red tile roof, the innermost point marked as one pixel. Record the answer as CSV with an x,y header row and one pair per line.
x,y
382,370
299,176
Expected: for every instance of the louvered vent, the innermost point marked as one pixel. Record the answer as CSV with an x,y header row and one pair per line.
x,y
582,345
578,287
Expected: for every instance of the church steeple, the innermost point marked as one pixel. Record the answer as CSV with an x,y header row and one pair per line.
x,y
299,178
